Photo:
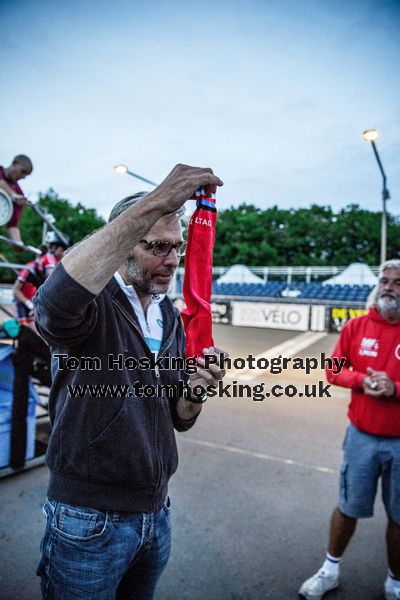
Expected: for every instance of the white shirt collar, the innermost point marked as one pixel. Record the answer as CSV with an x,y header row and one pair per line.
x,y
130,291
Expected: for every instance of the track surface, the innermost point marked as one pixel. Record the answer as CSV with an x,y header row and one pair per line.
x,y
251,499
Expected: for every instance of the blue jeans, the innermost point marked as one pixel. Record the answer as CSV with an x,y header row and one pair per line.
x,y
90,554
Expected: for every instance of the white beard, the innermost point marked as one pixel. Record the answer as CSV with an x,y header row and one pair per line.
x,y
389,307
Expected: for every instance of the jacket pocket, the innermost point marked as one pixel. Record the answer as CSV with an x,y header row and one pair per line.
x,y
123,453
167,441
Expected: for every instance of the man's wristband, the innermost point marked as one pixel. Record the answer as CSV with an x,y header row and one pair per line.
x,y
29,304
194,397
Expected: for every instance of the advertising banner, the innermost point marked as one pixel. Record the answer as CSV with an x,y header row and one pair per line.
x,y
340,316
318,322
220,311
294,317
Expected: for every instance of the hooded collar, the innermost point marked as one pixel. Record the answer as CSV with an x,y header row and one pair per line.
x,y
376,316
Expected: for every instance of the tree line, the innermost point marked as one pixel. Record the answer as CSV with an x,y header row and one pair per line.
x,y
313,236
76,221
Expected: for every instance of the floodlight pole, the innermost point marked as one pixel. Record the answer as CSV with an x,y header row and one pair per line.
x,y
142,178
385,197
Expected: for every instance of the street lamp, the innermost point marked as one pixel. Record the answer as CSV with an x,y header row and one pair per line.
x,y
370,136
121,169
124,169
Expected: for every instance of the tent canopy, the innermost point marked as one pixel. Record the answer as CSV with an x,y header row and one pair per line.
x,y
239,274
355,274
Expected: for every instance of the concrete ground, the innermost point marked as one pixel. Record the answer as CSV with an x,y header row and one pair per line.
x,y
251,499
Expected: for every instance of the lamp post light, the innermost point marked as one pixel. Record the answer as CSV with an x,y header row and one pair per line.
x,y
124,169
371,135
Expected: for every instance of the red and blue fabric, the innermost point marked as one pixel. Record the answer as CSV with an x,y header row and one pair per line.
x,y
197,283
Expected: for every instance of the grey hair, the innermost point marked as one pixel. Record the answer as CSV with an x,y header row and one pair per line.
x,y
122,205
371,300
129,201
393,263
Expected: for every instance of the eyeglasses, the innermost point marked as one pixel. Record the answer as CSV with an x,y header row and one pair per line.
x,y
161,248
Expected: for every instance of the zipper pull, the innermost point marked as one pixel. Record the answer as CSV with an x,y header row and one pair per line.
x,y
157,370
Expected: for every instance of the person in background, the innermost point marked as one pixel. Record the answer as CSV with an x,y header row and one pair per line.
x,y
57,247
371,346
33,275
20,168
25,286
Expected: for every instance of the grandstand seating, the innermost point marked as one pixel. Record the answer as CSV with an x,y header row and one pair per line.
x,y
347,293
270,289
308,291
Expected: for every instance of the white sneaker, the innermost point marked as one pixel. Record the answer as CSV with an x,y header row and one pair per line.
x,y
390,593
320,583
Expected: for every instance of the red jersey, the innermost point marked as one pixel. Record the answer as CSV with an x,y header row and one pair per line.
x,y
15,217
26,277
370,341
49,261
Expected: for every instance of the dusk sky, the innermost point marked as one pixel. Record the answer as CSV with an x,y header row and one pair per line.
x,y
273,95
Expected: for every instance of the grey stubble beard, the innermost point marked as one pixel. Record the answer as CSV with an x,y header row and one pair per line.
x,y
134,276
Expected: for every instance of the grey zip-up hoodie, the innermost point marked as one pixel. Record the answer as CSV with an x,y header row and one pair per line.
x,y
111,452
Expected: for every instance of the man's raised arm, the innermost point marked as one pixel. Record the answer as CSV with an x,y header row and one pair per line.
x,y
94,261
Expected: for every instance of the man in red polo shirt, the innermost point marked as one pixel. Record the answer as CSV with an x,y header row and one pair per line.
x,y
20,167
